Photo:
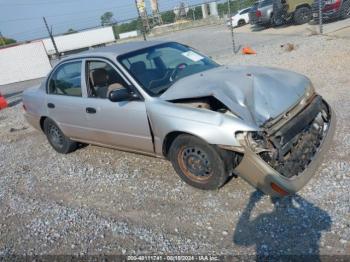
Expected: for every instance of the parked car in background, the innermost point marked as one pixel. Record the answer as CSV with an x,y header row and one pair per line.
x,y
261,13
164,99
240,18
296,11
332,9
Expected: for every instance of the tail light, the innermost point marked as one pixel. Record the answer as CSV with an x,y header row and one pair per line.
x,y
258,13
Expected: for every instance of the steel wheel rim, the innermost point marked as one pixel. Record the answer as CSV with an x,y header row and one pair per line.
x,y
305,15
56,136
194,163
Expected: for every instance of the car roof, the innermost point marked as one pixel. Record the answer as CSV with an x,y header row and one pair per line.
x,y
116,49
244,9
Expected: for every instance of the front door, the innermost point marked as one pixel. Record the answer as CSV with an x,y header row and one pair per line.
x,y
121,124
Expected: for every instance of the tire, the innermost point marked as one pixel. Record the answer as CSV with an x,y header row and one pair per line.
x,y
57,139
345,10
302,15
197,163
241,22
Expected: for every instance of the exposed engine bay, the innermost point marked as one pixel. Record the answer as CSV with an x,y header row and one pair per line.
x,y
210,103
291,148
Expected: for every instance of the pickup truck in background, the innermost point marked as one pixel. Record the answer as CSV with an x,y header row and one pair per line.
x,y
331,9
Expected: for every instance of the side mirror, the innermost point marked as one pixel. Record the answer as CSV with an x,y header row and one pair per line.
x,y
122,94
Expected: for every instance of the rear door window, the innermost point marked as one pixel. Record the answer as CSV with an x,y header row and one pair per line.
x,y
66,80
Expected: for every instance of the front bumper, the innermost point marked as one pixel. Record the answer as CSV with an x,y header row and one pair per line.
x,y
261,175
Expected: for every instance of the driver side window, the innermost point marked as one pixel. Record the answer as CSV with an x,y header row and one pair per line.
x,y
102,79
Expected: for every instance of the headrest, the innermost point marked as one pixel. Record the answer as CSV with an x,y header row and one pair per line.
x,y
99,77
138,68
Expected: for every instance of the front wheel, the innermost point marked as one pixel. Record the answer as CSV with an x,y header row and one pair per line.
x,y
241,22
198,163
302,15
57,139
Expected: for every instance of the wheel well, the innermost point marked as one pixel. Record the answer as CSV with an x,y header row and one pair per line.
x,y
42,119
232,159
169,139
303,5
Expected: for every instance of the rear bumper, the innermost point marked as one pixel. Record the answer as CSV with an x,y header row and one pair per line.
x,y
261,175
260,21
328,11
33,120
327,15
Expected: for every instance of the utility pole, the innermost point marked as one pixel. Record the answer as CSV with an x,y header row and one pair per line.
x,y
231,27
228,8
52,39
141,22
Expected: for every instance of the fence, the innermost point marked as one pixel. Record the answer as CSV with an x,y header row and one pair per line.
x,y
30,61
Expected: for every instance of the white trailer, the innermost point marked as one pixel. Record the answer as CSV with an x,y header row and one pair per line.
x,y
80,40
23,62
129,34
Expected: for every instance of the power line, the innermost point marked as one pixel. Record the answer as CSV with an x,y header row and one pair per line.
x,y
39,3
67,14
69,23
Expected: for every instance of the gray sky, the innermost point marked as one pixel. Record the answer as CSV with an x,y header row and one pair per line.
x,y
22,19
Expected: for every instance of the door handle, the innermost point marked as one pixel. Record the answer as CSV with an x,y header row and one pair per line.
x,y
90,110
50,105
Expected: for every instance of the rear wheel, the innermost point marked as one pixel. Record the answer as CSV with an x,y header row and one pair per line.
x,y
302,15
57,139
345,10
198,163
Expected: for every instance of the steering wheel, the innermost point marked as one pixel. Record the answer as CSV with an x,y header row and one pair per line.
x,y
177,69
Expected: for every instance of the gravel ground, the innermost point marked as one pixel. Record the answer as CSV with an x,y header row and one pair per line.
x,y
102,201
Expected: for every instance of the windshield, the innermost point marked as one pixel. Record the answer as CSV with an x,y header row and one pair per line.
x,y
156,68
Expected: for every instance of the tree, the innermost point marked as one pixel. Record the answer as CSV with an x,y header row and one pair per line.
x,y
6,41
126,27
168,17
107,18
70,31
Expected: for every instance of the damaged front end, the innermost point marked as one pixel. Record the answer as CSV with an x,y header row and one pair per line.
x,y
282,157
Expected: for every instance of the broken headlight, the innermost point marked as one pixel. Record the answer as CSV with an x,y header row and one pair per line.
x,y
309,94
255,140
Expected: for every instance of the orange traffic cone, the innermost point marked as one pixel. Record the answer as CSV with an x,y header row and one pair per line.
x,y
3,102
248,51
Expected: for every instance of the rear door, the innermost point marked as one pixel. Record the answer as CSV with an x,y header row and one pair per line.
x,y
65,99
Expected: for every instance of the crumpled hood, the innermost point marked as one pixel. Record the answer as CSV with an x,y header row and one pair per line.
x,y
255,94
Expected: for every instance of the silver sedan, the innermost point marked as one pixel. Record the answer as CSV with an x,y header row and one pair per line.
x,y
165,99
